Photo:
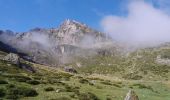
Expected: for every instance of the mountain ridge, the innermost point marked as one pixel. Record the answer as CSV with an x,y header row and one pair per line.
x,y
69,39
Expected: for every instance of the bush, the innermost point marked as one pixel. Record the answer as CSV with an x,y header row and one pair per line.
x,y
2,92
62,98
72,95
132,76
72,89
53,81
106,83
49,89
8,86
142,86
3,82
20,78
84,81
17,92
108,98
99,87
33,82
87,96
28,92
12,97
117,85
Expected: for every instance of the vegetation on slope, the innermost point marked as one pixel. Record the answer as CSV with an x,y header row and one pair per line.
x,y
98,78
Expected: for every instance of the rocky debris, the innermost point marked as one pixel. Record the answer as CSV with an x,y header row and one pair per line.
x,y
70,69
163,61
13,58
131,95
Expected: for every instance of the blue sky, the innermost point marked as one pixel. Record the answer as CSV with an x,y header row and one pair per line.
x,y
22,15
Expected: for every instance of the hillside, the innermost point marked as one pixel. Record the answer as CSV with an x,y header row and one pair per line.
x,y
49,83
75,62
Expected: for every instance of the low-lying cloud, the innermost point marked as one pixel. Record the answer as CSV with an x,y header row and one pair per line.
x,y
144,24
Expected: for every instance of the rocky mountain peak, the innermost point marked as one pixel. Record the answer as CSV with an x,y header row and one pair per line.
x,y
71,26
72,32
69,38
69,22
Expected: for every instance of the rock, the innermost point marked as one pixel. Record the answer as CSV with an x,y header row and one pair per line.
x,y
70,70
131,95
13,58
28,68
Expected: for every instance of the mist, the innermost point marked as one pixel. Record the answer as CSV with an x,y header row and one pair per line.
x,y
143,25
36,37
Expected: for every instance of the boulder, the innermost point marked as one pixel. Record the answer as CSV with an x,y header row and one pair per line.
x,y
13,58
70,69
131,95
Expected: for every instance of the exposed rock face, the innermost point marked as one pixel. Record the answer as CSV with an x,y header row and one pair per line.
x,y
13,58
131,95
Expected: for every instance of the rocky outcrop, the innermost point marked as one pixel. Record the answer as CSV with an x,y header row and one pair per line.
x,y
131,95
163,61
13,58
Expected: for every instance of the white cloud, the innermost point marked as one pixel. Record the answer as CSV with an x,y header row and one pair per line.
x,y
144,24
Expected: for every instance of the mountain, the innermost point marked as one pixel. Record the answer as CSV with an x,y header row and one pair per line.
x,y
86,65
58,45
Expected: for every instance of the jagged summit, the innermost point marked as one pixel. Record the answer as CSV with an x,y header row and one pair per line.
x,y
73,22
68,23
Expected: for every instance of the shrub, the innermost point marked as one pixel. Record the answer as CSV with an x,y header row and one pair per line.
x,y
53,81
116,85
62,98
2,92
142,86
8,86
3,81
87,96
73,95
106,82
72,89
108,98
84,81
99,87
30,92
132,76
33,82
17,92
49,89
12,97
20,78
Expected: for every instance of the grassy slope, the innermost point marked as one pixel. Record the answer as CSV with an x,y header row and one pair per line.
x,y
72,86
104,77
